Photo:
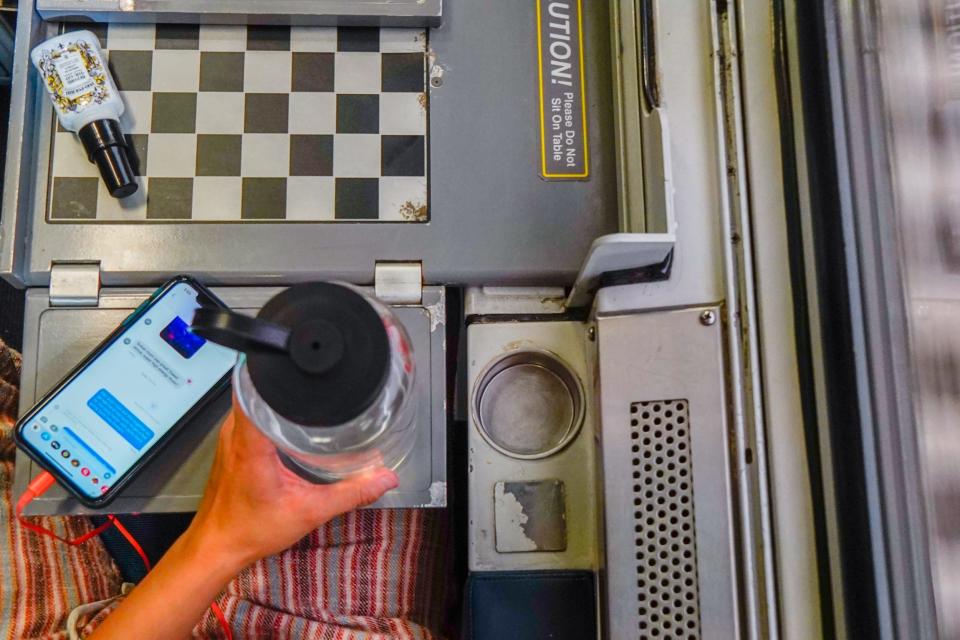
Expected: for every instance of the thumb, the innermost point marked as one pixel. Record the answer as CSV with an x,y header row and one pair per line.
x,y
355,492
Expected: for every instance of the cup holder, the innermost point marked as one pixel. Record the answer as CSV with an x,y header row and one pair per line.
x,y
528,404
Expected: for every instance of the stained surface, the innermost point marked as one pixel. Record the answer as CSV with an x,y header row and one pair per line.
x,y
530,516
234,123
527,409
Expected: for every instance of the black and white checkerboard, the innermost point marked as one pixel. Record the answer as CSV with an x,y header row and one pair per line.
x,y
233,123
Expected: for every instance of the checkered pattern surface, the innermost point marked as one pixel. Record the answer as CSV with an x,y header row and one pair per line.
x,y
234,123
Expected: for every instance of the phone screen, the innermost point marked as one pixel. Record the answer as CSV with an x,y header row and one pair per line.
x,y
96,428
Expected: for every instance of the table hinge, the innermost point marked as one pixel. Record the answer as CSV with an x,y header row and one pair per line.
x,y
75,284
399,282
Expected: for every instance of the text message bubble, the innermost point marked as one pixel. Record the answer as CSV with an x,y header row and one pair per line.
x,y
112,411
161,367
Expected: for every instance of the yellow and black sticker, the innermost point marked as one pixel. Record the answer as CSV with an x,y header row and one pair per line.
x,y
564,153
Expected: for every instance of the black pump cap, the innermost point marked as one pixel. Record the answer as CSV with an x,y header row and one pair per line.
x,y
317,353
107,147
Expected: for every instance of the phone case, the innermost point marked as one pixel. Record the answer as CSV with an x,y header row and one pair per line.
x,y
120,483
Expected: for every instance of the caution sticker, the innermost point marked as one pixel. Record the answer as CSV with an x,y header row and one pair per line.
x,y
563,108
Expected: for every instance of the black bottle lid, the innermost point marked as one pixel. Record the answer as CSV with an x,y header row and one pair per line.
x,y
317,353
106,147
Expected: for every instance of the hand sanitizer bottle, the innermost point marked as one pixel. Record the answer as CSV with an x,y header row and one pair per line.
x,y
87,102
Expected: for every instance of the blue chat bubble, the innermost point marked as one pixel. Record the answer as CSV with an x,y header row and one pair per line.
x,y
112,411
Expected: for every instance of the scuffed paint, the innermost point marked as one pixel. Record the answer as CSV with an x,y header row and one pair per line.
x,y
438,314
510,521
438,494
530,513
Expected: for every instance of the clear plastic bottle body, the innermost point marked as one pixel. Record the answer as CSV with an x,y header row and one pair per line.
x,y
383,434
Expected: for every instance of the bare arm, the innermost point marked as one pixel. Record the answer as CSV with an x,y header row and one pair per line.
x,y
252,507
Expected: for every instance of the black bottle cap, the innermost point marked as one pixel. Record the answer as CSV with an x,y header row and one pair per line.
x,y
317,353
106,146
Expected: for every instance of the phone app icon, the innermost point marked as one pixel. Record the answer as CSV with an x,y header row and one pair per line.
x,y
45,436
55,445
35,427
95,480
43,419
104,489
65,453
107,475
75,462
84,472
54,428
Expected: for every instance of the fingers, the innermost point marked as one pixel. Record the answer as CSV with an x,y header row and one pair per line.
x,y
223,441
226,429
353,493
249,437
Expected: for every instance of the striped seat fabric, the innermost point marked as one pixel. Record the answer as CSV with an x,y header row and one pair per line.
x,y
368,575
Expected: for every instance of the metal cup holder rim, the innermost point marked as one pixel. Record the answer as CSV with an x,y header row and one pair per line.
x,y
552,363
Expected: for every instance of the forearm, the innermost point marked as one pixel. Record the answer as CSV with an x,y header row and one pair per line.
x,y
173,597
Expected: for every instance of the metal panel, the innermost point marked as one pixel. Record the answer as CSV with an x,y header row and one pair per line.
x,y
649,358
645,178
798,581
494,221
686,87
755,549
58,338
668,599
75,284
396,13
575,465
20,147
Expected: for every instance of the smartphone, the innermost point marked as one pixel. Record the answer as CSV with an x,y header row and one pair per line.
x,y
103,422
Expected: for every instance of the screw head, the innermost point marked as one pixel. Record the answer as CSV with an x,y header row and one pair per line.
x,y
708,318
436,81
592,333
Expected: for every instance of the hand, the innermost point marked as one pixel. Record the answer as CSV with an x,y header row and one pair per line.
x,y
254,506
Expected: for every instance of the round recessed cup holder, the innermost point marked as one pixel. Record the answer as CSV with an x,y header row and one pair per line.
x,y
528,404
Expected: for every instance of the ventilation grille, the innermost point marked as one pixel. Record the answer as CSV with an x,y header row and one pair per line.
x,y
668,601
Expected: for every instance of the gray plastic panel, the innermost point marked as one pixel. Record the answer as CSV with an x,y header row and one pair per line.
x,y
56,338
493,219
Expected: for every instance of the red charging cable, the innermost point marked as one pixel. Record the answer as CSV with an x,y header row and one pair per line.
x,y
39,485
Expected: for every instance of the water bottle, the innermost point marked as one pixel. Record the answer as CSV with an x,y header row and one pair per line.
x,y
327,373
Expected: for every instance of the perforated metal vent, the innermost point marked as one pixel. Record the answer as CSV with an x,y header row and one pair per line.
x,y
668,600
